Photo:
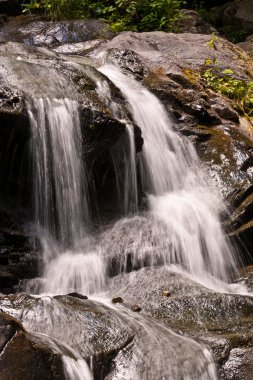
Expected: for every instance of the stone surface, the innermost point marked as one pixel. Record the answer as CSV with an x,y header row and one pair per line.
x,y
247,45
36,31
239,365
99,332
25,355
220,321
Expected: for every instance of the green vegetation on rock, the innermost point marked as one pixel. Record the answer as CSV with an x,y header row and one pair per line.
x,y
226,83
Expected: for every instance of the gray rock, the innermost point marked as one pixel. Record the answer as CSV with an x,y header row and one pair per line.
x,y
239,365
34,31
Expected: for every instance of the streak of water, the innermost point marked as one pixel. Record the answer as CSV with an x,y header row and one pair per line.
x,y
123,152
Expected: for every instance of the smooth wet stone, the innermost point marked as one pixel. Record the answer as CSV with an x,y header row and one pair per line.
x,y
77,295
136,308
26,356
117,300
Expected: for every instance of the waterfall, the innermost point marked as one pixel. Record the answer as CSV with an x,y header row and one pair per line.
x,y
123,152
60,196
182,225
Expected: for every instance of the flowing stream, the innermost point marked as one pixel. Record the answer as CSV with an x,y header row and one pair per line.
x,y
180,226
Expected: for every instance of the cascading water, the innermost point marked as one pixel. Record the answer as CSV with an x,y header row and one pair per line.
x,y
60,200
182,225
127,186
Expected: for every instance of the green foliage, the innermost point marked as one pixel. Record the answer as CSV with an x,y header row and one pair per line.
x,y
226,83
137,15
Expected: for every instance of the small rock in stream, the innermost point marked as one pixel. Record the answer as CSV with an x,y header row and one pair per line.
x,y
136,308
117,300
77,295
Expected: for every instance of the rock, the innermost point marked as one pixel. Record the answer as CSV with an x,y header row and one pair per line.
x,y
77,295
117,300
190,22
247,45
25,355
220,321
36,31
136,308
18,255
239,13
116,341
239,365
99,331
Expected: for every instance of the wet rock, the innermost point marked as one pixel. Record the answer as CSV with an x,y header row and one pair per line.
x,y
136,308
99,331
117,300
18,256
220,321
25,355
77,295
239,365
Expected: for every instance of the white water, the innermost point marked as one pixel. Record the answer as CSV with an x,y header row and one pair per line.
x,y
182,225
123,152
60,199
